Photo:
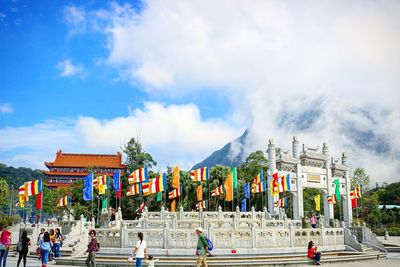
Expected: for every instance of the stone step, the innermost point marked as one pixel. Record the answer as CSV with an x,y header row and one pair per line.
x,y
229,261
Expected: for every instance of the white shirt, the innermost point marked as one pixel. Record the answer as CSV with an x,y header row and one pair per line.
x,y
150,263
140,247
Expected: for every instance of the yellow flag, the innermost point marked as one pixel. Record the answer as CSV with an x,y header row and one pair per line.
x,y
102,189
175,177
317,200
229,187
173,205
199,193
21,201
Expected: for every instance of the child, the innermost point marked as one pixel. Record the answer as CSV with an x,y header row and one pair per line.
x,y
150,261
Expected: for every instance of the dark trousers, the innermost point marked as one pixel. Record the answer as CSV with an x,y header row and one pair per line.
x,y
317,257
3,257
22,255
91,259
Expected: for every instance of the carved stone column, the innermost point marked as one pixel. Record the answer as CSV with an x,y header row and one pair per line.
x,y
328,208
272,169
295,148
347,209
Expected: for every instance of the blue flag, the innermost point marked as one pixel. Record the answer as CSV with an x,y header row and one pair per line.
x,y
116,180
88,187
164,179
246,189
243,205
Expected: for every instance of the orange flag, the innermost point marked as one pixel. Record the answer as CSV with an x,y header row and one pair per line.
x,y
175,177
173,205
229,187
199,192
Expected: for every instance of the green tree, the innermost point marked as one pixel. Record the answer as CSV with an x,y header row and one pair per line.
x,y
136,157
360,178
4,195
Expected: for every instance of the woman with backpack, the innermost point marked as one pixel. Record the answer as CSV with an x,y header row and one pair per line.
x,y
92,248
140,250
45,245
22,247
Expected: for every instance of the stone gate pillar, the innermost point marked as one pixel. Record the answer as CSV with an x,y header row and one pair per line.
x,y
328,208
297,195
272,169
347,209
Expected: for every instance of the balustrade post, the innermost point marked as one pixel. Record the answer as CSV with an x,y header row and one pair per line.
x,y
291,235
162,213
124,236
253,236
219,212
181,215
262,223
234,221
165,235
322,226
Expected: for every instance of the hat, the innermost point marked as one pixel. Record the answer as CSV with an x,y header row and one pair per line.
x,y
200,229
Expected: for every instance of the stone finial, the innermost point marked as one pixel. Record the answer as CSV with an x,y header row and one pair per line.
x,y
344,159
295,148
237,209
252,209
271,141
219,209
325,149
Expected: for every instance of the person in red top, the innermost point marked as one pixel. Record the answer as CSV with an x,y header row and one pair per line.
x,y
313,254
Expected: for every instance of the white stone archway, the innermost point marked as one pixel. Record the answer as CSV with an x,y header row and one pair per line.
x,y
310,168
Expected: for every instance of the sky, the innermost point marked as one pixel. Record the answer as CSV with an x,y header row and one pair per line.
x,y
187,77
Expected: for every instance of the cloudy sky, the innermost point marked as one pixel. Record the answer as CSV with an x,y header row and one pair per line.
x,y
186,77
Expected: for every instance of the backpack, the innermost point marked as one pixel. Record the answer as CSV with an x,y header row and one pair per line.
x,y
98,247
19,246
210,245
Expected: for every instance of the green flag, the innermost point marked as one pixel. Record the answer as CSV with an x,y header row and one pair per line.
x,y
159,196
337,189
104,203
234,177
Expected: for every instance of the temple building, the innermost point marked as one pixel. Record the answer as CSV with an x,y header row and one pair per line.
x,y
68,167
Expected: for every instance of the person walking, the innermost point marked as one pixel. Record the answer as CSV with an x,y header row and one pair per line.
x,y
112,219
45,245
57,243
92,248
40,237
140,250
313,221
202,248
24,243
5,241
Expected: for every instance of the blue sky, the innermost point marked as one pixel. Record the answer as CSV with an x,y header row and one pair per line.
x,y
188,77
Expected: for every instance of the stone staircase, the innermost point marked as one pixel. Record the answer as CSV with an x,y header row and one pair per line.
x,y
267,260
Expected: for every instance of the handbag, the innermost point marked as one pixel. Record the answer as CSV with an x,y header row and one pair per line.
x,y
131,258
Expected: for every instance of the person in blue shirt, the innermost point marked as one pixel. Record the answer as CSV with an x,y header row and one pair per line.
x,y
45,247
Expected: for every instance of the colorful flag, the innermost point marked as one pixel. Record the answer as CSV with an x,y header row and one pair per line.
x,y
202,204
174,193
243,205
218,191
22,194
88,187
337,189
246,189
138,176
104,203
100,180
102,189
159,196
332,199
32,188
259,188
285,183
358,191
118,193
229,187
39,201
199,174
64,201
199,193
154,185
234,177
281,202
134,190
275,184
317,200
175,177
353,197
258,179
141,208
117,180
173,205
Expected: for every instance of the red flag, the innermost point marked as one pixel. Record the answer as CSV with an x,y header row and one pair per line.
x,y
39,201
118,194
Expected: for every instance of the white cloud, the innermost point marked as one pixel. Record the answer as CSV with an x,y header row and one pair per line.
x,y
68,69
6,108
75,19
274,59
174,134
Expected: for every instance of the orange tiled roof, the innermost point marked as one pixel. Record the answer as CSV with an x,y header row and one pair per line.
x,y
74,173
86,160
